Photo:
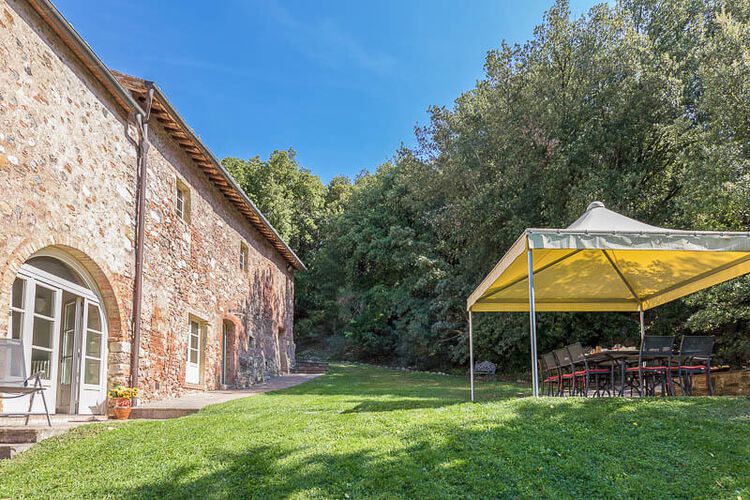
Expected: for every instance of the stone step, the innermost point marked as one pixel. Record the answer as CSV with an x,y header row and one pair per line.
x,y
11,450
22,435
311,367
160,413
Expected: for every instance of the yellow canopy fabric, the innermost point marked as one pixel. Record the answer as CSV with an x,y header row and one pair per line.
x,y
608,262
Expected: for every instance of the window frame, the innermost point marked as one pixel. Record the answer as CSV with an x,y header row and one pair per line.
x,y
20,311
182,201
89,330
244,257
56,296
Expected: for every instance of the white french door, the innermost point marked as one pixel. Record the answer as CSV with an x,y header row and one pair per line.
x,y
92,377
224,338
192,366
64,343
41,321
67,380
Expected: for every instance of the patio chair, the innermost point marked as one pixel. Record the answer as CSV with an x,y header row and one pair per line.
x,y
694,358
550,373
602,377
566,371
13,380
654,367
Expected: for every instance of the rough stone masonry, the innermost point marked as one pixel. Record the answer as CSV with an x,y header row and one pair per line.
x,y
68,181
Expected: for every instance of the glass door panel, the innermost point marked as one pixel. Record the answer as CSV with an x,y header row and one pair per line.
x,y
17,308
68,341
92,397
93,352
67,381
45,315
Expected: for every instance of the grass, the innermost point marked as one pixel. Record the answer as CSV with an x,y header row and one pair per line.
x,y
364,432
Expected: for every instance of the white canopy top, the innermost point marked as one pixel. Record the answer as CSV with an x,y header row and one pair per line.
x,y
599,218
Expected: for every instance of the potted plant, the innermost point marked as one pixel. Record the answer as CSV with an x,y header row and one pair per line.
x,y
122,397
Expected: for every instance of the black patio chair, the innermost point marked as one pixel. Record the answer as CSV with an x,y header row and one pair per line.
x,y
693,359
654,367
566,371
550,373
584,374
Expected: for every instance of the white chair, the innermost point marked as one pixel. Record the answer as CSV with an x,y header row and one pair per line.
x,y
13,380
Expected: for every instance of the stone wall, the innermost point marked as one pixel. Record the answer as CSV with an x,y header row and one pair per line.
x,y
67,163
67,178
192,269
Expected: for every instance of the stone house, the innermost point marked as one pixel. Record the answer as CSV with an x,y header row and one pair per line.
x,y
128,255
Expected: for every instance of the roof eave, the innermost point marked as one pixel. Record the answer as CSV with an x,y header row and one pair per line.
x,y
292,256
275,239
125,99
83,52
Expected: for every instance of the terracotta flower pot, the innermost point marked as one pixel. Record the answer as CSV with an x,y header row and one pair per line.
x,y
122,408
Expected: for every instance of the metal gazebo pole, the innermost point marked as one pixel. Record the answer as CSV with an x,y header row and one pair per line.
x,y
532,326
471,358
643,328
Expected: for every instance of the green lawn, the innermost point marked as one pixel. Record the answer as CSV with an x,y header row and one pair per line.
x,y
363,431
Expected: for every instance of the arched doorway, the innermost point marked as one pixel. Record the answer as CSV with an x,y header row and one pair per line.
x,y
56,311
281,345
227,354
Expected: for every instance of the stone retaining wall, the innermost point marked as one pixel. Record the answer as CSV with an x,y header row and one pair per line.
x,y
730,383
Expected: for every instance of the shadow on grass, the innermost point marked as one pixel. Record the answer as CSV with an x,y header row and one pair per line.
x,y
646,448
377,406
355,443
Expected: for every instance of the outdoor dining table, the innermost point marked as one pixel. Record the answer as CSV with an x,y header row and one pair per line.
x,y
617,357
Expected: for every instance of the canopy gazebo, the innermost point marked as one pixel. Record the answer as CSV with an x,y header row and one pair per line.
x,y
604,262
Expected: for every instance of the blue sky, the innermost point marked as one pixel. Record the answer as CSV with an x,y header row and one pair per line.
x,y
342,82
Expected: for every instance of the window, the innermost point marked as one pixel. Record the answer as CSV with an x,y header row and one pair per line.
x,y
17,299
195,340
43,330
182,201
93,351
243,257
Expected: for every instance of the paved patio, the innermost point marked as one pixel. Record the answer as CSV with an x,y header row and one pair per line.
x,y
193,402
16,437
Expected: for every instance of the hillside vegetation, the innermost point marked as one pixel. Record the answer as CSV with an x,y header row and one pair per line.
x,y
644,105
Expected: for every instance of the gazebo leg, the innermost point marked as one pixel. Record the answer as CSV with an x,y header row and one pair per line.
x,y
471,358
532,327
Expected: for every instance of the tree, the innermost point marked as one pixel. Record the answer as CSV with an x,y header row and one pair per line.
x,y
644,105
292,198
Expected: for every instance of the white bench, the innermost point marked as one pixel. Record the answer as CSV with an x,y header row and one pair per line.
x,y
485,369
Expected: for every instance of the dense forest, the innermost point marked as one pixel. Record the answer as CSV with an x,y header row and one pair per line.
x,y
644,105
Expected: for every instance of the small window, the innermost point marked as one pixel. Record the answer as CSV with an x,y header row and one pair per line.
x,y
182,201
243,257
